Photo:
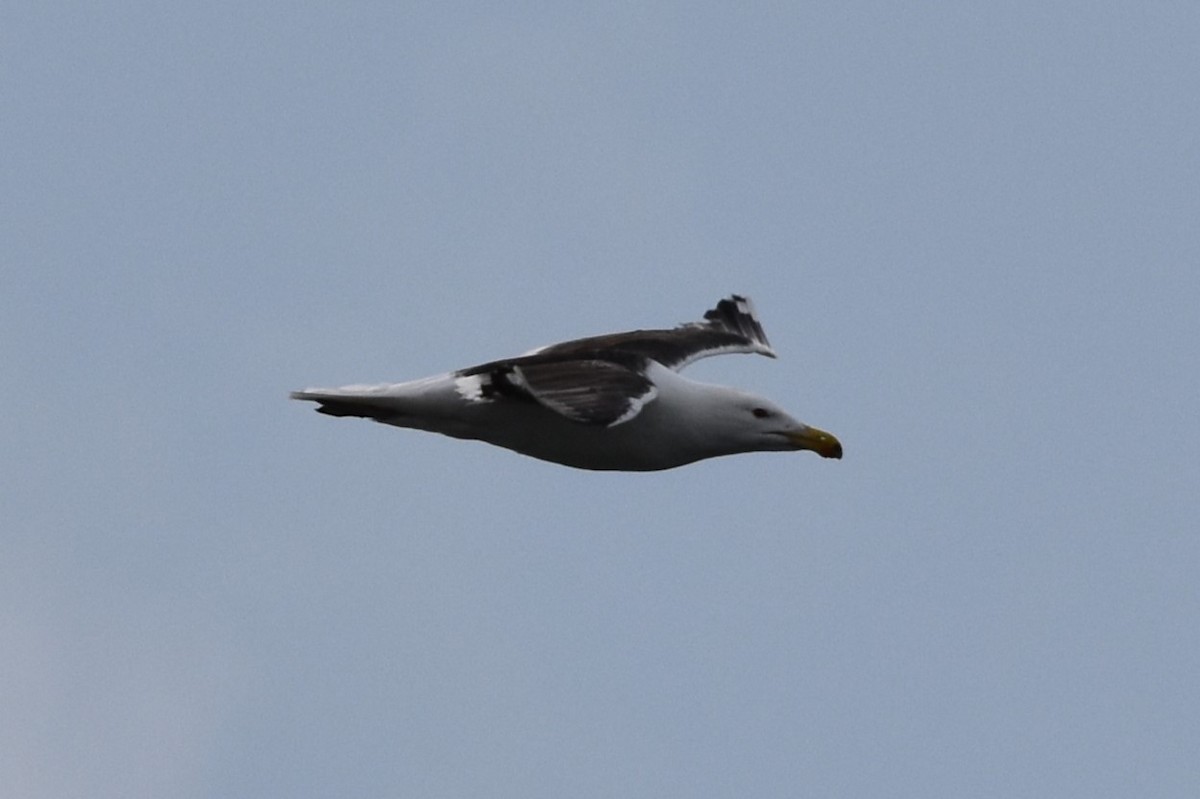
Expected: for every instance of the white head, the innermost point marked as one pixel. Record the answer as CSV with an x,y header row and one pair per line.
x,y
734,421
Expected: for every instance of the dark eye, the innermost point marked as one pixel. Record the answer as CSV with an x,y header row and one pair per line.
x,y
761,413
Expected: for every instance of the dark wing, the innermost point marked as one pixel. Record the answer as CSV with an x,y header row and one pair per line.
x,y
601,380
589,391
592,392
732,326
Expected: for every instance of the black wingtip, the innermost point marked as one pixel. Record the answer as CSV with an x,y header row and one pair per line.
x,y
736,314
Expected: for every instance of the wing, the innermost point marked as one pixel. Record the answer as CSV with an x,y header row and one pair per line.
x,y
731,326
589,391
592,392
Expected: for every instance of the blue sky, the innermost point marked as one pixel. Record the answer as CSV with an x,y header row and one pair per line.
x,y
970,233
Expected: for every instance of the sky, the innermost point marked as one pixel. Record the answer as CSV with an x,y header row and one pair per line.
x,y
971,234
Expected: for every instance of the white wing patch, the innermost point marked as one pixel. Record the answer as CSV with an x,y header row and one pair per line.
x,y
470,387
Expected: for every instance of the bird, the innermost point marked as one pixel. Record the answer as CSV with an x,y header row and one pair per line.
x,y
613,402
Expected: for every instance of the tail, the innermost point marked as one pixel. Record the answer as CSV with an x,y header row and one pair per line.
x,y
365,402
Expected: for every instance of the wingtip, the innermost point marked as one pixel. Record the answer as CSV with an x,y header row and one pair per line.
x,y
737,314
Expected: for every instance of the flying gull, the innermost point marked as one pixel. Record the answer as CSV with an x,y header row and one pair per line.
x,y
612,402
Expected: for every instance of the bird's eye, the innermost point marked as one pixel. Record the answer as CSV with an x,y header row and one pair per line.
x,y
761,413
